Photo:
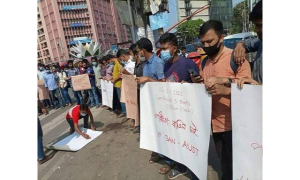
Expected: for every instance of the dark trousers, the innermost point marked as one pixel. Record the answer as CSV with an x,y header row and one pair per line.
x,y
223,143
85,122
116,102
46,102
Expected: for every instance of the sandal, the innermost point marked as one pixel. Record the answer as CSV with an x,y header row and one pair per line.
x,y
165,169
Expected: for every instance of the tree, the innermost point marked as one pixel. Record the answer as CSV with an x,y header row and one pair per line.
x,y
240,17
190,29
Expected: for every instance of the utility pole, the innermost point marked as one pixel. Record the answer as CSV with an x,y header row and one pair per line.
x,y
131,21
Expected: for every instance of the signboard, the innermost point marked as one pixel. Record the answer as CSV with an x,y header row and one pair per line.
x,y
81,82
129,95
75,141
176,122
43,93
247,132
107,89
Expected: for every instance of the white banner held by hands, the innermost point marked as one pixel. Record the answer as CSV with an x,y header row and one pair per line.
x,y
247,146
176,122
107,90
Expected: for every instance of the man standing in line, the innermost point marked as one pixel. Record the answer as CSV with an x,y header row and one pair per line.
x,y
117,81
51,81
138,72
92,92
72,71
218,75
127,60
97,71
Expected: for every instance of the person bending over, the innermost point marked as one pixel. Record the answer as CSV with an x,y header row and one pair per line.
x,y
76,113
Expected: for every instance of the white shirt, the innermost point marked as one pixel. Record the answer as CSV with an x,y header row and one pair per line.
x,y
129,66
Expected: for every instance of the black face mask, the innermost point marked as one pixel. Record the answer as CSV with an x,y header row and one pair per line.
x,y
212,50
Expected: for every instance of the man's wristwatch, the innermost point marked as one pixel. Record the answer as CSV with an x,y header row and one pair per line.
x,y
228,84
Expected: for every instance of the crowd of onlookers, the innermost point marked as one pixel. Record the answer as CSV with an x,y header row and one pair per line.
x,y
211,65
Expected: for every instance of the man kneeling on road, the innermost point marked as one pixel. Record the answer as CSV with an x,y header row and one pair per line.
x,y
76,113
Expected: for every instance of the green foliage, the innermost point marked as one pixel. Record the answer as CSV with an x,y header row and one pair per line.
x,y
190,28
238,15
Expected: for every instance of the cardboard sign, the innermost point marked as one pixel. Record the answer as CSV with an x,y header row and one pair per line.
x,y
176,122
247,132
75,141
129,95
81,82
107,89
43,93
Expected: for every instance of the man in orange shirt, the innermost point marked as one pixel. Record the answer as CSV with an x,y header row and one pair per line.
x,y
218,75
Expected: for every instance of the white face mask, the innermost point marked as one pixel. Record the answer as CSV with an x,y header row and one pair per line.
x,y
83,114
142,58
131,57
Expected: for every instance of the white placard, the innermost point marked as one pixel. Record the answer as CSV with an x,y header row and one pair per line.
x,y
75,142
176,122
247,132
107,89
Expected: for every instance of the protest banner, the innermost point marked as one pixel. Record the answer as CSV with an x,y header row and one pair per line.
x,y
247,146
176,122
129,95
81,82
75,141
107,89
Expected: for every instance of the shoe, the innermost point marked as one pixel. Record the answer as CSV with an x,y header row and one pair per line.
x,y
136,130
57,107
98,106
174,173
46,158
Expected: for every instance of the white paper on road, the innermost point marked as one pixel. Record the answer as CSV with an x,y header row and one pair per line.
x,y
75,142
107,89
247,132
176,122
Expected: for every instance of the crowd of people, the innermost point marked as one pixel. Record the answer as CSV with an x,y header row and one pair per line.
x,y
211,65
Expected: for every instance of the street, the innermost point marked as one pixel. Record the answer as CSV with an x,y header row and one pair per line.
x,y
114,155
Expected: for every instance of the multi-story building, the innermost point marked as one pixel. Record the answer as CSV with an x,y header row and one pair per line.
x,y
188,7
222,10
42,46
69,21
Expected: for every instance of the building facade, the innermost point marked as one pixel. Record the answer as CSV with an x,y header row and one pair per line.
x,y
66,21
222,10
43,53
188,7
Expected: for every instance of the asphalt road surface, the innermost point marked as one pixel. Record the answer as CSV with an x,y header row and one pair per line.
x,y
114,155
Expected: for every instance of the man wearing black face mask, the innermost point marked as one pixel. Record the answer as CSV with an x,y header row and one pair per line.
x,y
218,75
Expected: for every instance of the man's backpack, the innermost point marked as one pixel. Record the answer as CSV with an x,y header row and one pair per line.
x,y
233,65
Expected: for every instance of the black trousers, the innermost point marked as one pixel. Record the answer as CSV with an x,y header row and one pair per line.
x,y
85,122
116,102
223,143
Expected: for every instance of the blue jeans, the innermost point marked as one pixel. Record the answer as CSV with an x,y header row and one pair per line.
x,y
122,104
78,96
66,95
41,153
57,99
94,96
